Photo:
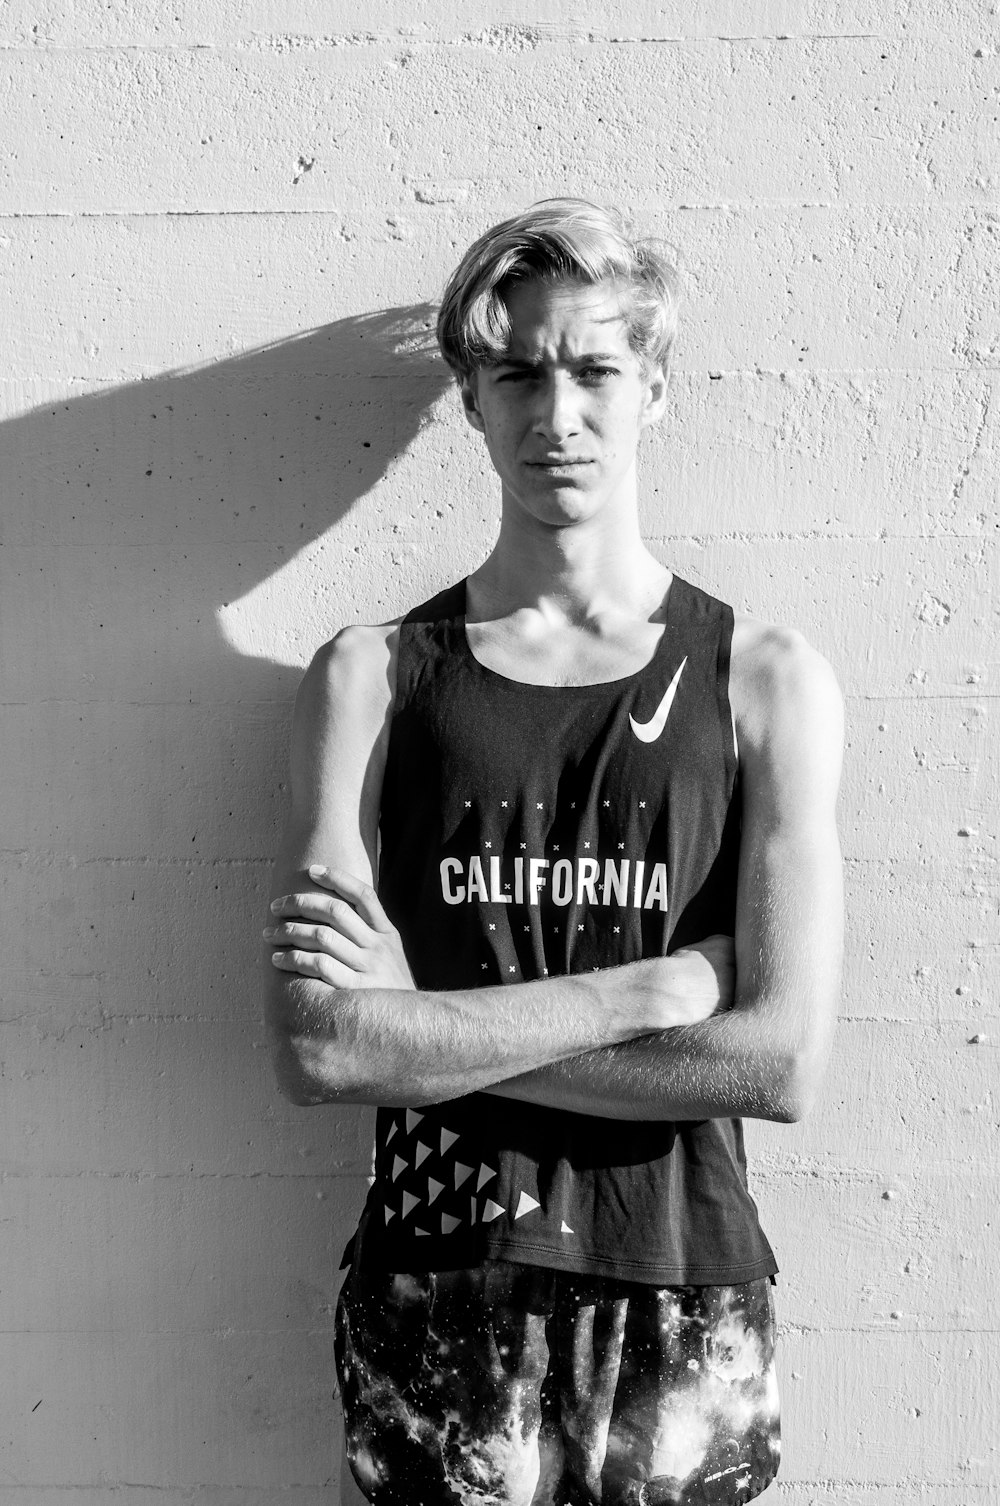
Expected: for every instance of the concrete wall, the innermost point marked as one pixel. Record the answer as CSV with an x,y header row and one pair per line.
x,y
221,437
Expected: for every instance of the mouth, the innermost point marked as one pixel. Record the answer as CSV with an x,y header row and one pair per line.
x,y
561,463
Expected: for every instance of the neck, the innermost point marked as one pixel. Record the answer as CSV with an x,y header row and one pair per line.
x,y
580,569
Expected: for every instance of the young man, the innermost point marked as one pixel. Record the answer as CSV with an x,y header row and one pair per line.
x,y
526,821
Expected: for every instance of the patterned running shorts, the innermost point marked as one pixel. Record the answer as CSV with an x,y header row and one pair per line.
x,y
509,1385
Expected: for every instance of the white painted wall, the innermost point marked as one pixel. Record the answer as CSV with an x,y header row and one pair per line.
x,y
216,221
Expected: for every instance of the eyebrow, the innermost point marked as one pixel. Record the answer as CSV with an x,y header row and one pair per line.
x,y
589,355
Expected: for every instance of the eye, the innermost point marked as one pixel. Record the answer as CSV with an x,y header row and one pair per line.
x,y
597,374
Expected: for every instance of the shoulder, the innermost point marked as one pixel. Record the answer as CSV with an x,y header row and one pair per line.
x,y
356,650
357,665
783,691
776,669
346,696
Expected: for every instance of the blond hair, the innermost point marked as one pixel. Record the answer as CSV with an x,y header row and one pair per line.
x,y
556,239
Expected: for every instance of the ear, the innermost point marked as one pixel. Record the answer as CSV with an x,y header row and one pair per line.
x,y
470,401
655,402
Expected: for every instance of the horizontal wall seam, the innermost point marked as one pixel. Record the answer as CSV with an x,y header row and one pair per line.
x,y
985,207
533,39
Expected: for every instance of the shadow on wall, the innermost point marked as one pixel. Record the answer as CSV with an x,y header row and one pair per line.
x,y
146,755
184,491
141,521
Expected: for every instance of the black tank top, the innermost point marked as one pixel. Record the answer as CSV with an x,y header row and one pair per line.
x,y
533,830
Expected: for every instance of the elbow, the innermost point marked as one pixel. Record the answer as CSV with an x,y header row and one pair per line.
x,y
308,1064
309,1074
294,1082
790,1105
795,1055
322,1056
292,1070
796,1087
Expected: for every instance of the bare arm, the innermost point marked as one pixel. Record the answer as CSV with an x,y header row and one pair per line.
x,y
339,737
763,1058
346,1021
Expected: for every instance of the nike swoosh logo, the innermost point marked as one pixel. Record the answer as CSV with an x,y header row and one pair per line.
x,y
648,732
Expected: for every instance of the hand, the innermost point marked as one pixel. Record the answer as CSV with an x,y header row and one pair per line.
x,y
709,979
339,934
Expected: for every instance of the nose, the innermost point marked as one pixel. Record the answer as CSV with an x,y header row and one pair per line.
x,y
556,417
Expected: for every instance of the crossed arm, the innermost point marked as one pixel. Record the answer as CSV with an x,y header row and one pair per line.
x,y
673,1038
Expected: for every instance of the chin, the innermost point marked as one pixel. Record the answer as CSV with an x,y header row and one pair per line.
x,y
565,511
559,502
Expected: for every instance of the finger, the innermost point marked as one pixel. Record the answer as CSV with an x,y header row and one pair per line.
x,y
314,965
307,938
359,893
325,909
320,874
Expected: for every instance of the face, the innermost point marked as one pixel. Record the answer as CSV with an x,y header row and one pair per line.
x,y
563,411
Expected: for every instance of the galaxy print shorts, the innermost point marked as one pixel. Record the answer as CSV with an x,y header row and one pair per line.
x,y
509,1385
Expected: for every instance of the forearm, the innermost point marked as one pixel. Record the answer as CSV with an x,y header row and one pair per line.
x,y
397,1046
745,1063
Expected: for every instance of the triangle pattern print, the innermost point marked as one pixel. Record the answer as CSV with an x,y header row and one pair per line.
x,y
433,1180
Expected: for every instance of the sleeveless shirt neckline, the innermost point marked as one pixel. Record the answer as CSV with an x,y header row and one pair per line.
x,y
592,688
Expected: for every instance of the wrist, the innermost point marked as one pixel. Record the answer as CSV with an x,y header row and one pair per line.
x,y
649,995
688,989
